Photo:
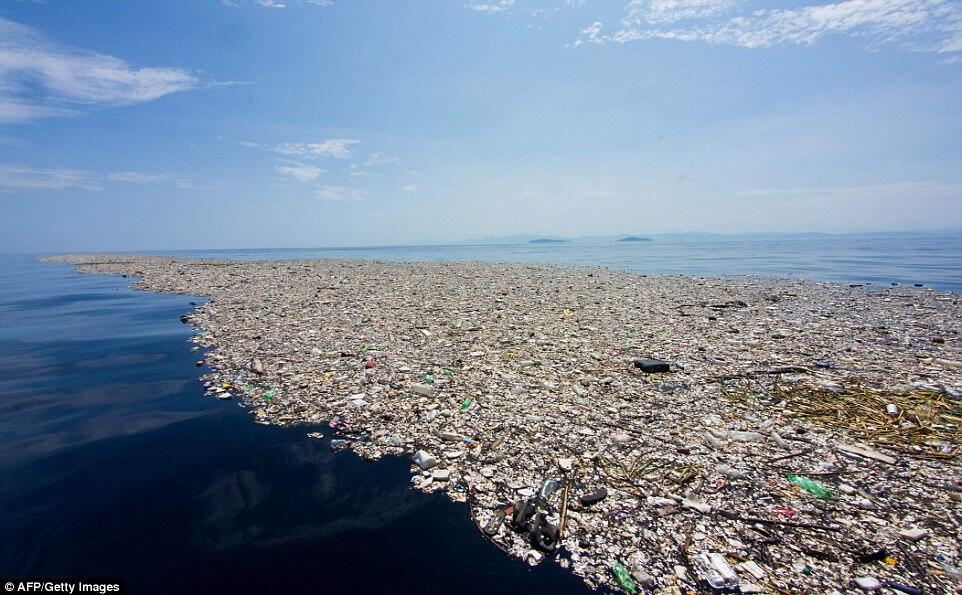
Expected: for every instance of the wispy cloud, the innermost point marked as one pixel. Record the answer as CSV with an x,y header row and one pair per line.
x,y
922,25
638,12
339,193
298,166
137,177
40,78
25,177
22,177
381,159
300,171
339,148
499,6
410,188
279,3
17,110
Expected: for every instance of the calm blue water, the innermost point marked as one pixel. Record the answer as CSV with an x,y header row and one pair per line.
x,y
932,259
114,465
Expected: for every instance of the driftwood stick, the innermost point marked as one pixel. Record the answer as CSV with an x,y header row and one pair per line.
x,y
564,511
792,455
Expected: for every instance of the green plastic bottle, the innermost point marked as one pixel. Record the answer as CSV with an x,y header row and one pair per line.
x,y
624,579
811,486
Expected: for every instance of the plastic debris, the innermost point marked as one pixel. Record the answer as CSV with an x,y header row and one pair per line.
x,y
651,366
339,443
811,486
914,534
594,497
624,579
701,458
868,583
714,570
424,460
494,523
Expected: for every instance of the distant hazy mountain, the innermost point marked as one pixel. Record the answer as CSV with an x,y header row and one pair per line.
x,y
634,239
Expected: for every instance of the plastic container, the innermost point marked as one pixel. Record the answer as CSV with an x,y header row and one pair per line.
x,y
716,571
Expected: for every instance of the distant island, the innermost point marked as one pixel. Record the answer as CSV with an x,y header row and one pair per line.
x,y
549,241
634,239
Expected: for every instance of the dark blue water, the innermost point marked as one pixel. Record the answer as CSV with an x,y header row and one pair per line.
x,y
114,465
929,258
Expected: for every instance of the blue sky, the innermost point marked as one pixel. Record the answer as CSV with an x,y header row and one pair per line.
x,y
259,123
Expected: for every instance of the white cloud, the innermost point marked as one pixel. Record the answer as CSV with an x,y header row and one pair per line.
x,y
300,171
14,110
25,177
381,159
359,170
499,6
278,4
592,34
40,78
335,147
669,11
410,188
339,193
926,25
136,177
22,177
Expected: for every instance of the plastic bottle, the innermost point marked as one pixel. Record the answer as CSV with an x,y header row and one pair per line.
x,y
624,579
811,486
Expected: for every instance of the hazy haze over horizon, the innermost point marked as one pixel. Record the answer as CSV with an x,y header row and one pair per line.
x,y
262,123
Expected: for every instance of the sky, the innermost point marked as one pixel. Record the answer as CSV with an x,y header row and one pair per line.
x,y
301,123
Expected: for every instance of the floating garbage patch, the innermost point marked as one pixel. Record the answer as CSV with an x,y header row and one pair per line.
x,y
651,434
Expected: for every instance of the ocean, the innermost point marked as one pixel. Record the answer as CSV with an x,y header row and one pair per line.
x,y
115,465
934,259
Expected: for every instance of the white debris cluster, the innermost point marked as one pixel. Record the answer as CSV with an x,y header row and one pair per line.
x,y
516,388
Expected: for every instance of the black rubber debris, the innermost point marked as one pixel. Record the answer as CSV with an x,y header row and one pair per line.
x,y
594,497
651,366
